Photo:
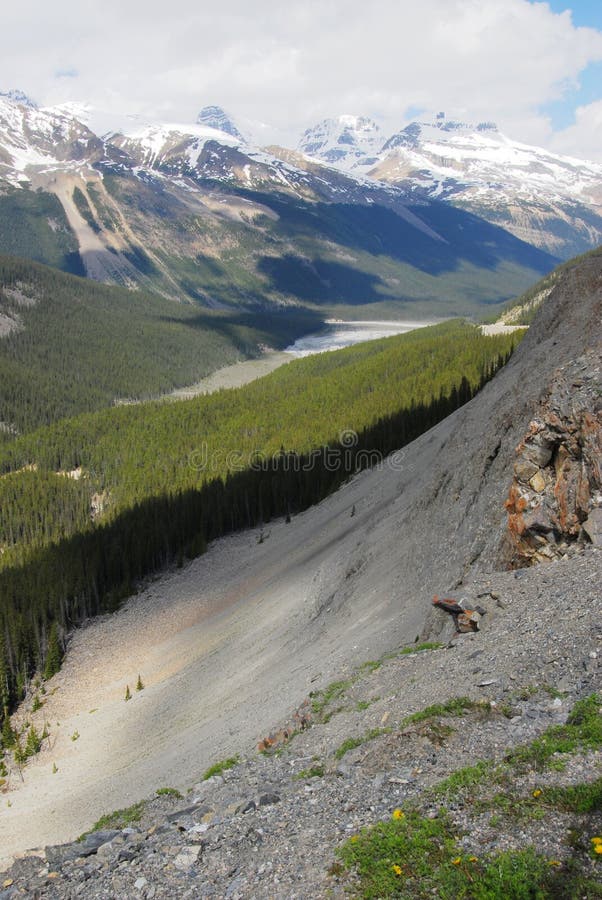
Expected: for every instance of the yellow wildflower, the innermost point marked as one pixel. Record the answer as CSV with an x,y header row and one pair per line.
x,y
554,862
355,838
598,848
397,869
537,793
473,859
597,841
457,861
398,814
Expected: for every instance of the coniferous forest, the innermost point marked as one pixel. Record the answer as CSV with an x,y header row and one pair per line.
x,y
91,504
69,345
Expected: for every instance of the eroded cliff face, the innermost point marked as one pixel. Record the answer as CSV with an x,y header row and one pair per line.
x,y
555,499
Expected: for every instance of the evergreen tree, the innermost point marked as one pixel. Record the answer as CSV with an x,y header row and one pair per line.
x,y
53,654
33,742
8,735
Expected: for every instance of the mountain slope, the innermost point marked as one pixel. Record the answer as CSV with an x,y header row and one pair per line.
x,y
552,201
69,346
228,650
193,212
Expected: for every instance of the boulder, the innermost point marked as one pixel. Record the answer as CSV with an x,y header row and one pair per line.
x,y
593,527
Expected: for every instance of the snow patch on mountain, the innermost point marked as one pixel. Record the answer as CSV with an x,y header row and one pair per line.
x,y
153,145
33,138
344,142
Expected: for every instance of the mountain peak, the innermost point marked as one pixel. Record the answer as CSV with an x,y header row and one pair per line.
x,y
17,96
216,117
440,129
343,140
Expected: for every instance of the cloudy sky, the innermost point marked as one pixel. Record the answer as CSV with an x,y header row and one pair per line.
x,y
535,68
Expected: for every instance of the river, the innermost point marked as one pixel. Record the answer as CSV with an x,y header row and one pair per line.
x,y
333,336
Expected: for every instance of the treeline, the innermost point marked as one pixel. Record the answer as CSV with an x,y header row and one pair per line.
x,y
175,476
83,345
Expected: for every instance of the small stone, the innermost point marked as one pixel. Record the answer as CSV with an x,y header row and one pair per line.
x,y
524,470
538,454
538,482
245,807
593,654
186,813
139,883
269,799
187,857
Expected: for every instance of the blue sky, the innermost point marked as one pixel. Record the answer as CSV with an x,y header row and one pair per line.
x,y
532,67
584,13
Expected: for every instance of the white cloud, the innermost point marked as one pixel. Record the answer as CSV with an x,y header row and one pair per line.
x,y
289,65
584,138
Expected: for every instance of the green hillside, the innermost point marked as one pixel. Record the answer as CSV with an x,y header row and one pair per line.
x,y
151,484
75,345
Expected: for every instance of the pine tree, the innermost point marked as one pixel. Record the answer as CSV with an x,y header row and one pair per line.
x,y
8,735
139,684
128,694
33,743
53,653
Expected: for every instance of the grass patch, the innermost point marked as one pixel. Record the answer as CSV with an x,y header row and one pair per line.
x,y
120,818
335,690
583,730
469,777
454,707
577,798
220,767
168,792
415,857
352,743
411,856
314,772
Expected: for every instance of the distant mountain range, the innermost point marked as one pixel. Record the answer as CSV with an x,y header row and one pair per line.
x,y
439,219
551,201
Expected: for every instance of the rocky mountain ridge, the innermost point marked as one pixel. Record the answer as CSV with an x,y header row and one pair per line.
x,y
197,214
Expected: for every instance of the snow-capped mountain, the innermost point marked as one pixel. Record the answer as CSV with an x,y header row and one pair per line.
x,y
344,142
194,212
32,139
217,118
552,201
159,145
446,158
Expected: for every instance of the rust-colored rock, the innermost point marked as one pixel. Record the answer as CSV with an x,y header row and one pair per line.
x,y
558,472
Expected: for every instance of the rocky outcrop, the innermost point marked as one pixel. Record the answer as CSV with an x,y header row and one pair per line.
x,y
555,499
